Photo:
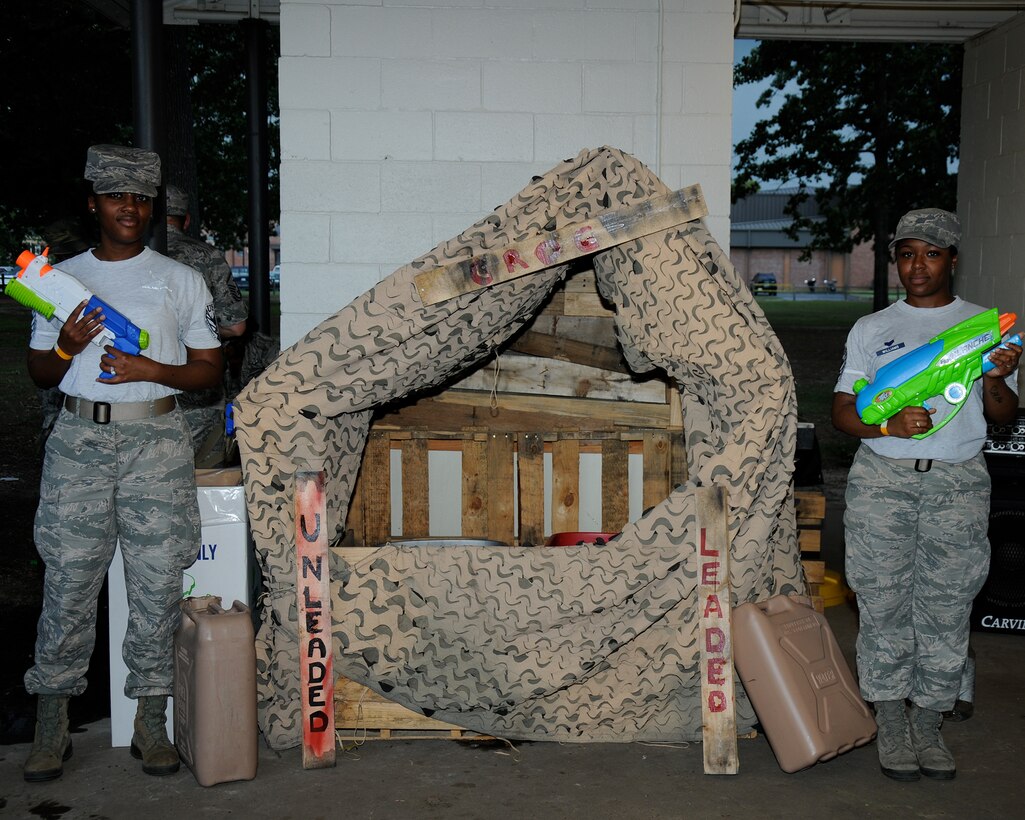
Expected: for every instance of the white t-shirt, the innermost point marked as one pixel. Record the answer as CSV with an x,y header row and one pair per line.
x,y
881,337
167,299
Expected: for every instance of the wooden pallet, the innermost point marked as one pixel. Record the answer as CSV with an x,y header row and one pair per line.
x,y
500,466
362,714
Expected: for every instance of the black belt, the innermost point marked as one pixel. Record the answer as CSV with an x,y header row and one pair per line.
x,y
921,465
103,412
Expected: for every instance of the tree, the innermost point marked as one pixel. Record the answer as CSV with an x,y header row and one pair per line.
x,y
68,85
871,130
218,96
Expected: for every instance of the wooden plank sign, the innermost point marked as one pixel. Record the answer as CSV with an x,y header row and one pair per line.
x,y
604,230
718,707
313,604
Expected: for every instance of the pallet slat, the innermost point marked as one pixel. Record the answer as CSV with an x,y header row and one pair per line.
x,y
475,489
615,481
501,504
566,485
658,453
531,479
357,707
416,521
377,489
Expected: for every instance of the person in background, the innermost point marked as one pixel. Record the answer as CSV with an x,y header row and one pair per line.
x,y
245,357
118,466
204,410
918,509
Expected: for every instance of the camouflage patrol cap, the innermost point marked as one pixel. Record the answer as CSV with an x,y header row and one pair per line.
x,y
177,201
932,225
117,168
65,238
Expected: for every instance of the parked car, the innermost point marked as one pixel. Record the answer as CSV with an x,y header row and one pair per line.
x,y
275,277
241,276
764,284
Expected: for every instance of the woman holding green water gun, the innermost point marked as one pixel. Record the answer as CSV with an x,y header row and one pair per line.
x,y
918,508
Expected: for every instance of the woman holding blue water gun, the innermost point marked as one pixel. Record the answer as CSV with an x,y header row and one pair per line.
x,y
118,466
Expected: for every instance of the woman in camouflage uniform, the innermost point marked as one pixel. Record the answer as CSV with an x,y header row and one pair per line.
x,y
917,509
118,467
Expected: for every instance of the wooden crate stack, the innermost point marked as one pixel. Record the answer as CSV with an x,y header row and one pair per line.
x,y
562,388
810,507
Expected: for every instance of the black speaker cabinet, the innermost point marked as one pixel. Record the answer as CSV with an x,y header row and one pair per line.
x,y
808,458
1000,605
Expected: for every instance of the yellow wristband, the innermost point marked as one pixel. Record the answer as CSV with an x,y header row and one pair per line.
x,y
66,356
882,427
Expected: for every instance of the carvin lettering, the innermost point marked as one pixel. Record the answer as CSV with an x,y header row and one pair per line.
x,y
990,622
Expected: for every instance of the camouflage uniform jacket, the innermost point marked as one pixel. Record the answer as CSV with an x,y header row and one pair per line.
x,y
229,306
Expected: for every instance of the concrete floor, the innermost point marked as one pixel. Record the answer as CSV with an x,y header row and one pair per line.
x,y
458,779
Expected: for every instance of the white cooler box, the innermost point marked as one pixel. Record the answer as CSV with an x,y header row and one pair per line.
x,y
223,567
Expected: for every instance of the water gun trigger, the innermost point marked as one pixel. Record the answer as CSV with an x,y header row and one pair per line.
x,y
955,394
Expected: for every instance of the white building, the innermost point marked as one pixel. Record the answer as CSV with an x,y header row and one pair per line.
x,y
404,121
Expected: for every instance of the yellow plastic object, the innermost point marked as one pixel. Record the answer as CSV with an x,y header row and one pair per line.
x,y
834,590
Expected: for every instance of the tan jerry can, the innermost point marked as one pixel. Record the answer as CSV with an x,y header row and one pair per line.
x,y
800,686
215,726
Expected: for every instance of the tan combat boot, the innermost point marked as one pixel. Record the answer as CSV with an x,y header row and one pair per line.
x,y
934,758
150,743
52,744
897,757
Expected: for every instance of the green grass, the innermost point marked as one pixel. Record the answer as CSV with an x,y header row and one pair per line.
x,y
790,313
813,334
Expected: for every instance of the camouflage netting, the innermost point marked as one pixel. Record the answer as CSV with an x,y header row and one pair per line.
x,y
572,644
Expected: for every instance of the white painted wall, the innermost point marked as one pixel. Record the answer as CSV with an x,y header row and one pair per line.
x,y
405,121
991,176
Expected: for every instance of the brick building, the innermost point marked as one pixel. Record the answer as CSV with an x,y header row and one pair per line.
x,y
759,244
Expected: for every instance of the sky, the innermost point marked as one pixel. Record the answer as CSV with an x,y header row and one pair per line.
x,y
745,115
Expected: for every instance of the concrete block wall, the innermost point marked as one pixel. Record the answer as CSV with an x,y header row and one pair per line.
x,y
405,121
991,176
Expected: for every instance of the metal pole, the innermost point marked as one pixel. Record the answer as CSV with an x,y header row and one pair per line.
x,y
259,227
148,98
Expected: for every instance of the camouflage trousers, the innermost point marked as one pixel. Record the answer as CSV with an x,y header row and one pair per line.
x,y
206,424
131,482
917,555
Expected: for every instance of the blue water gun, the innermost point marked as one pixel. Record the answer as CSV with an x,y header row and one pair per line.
x,y
52,292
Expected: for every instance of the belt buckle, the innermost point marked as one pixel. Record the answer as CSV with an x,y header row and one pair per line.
x,y
919,462
101,412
